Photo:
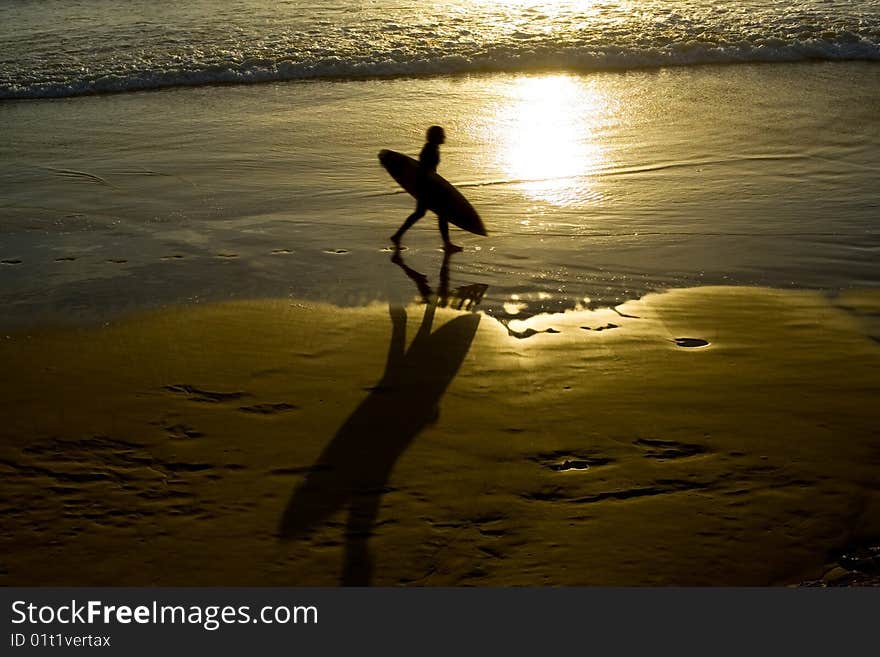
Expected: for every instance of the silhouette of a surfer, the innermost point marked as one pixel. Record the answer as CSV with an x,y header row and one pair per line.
x,y
353,470
429,159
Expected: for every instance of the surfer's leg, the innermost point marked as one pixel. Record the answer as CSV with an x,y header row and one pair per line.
x,y
410,220
397,348
357,570
444,231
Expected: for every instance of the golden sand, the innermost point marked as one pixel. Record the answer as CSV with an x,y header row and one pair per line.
x,y
295,443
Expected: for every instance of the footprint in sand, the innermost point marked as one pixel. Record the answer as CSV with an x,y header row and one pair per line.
x,y
561,461
268,409
227,255
10,262
336,251
529,332
570,465
665,450
601,328
173,256
199,395
182,432
690,343
117,261
281,252
65,259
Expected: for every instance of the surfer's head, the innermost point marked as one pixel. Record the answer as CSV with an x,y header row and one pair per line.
x,y
435,135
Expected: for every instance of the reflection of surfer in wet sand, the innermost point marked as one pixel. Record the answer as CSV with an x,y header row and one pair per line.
x,y
431,191
353,471
465,297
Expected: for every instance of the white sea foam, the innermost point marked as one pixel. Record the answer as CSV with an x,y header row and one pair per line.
x,y
88,47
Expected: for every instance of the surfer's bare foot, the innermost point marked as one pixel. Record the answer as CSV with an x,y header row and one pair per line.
x,y
449,247
395,240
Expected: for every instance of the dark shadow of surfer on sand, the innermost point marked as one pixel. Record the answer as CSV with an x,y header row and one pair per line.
x,y
354,468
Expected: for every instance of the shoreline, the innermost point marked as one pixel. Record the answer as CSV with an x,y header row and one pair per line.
x,y
427,76
276,192
296,442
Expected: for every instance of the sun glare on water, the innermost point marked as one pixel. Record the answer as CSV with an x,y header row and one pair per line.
x,y
543,5
547,136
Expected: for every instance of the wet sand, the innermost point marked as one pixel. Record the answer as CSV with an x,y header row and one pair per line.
x,y
704,436
604,186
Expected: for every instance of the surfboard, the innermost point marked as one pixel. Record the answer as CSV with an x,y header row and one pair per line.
x,y
443,198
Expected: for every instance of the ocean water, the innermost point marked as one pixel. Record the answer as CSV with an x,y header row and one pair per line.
x,y
613,148
66,47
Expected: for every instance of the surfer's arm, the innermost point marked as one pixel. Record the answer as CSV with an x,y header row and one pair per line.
x,y
429,158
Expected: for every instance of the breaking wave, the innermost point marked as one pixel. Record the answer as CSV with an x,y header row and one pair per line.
x,y
390,39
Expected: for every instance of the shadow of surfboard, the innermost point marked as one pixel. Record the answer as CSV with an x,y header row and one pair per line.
x,y
353,470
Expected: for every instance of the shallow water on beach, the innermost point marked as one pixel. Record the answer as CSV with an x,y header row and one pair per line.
x,y
595,188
